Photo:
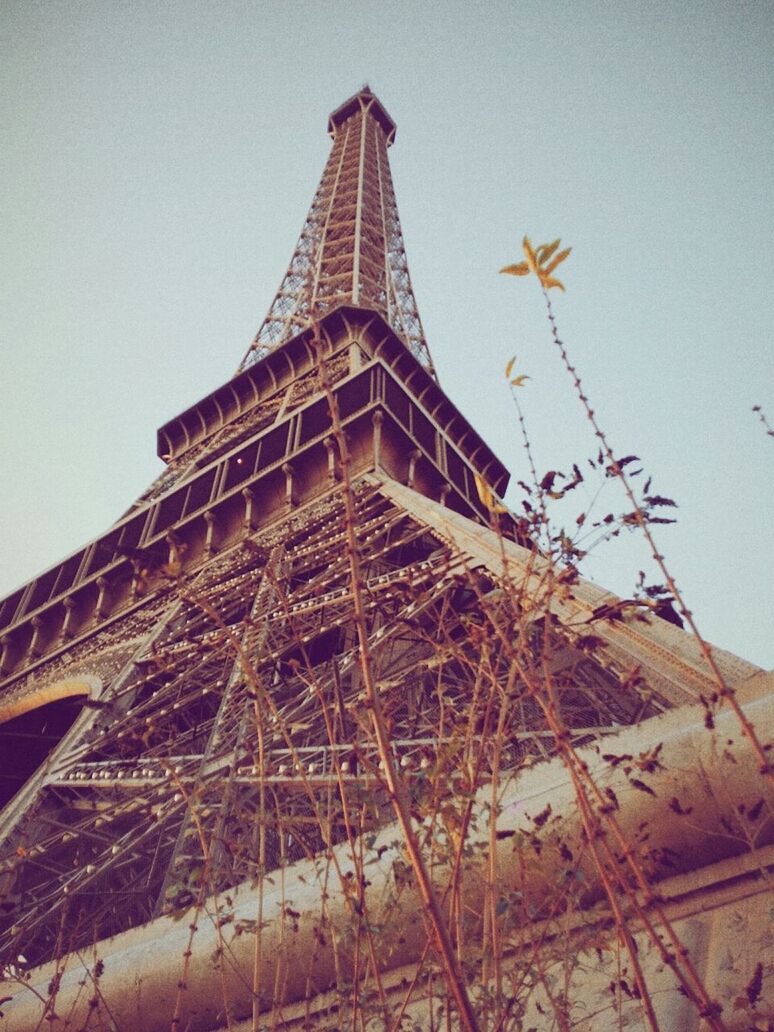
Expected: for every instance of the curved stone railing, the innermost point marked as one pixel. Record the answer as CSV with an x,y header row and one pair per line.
x,y
711,773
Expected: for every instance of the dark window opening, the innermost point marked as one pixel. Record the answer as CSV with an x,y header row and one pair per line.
x,y
315,420
353,395
397,402
273,446
424,433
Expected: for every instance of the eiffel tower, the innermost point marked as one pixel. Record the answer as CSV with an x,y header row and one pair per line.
x,y
288,631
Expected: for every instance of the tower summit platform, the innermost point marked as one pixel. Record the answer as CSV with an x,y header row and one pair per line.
x,y
363,100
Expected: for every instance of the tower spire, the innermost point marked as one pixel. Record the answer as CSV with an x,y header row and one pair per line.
x,y
351,249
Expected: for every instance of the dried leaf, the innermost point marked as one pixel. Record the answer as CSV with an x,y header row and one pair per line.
x,y
487,495
557,261
509,367
485,492
613,799
753,987
755,811
522,269
674,804
543,816
545,252
659,500
550,282
614,759
636,783
518,381
531,256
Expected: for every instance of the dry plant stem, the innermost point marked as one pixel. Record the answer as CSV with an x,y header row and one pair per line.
x,y
361,917
355,978
559,1012
492,872
543,513
182,984
222,947
690,980
395,786
692,984
258,952
579,775
531,962
262,696
396,1025
579,772
277,1008
590,825
49,1014
762,417
454,887
724,691
357,861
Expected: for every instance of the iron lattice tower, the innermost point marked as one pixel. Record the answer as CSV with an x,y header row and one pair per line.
x,y
351,248
197,667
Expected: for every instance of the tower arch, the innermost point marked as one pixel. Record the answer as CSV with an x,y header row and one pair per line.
x,y
33,725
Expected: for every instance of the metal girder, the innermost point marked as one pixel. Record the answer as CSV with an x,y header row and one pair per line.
x,y
351,248
242,720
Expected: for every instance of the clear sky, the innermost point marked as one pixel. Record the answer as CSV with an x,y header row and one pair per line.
x,y
157,163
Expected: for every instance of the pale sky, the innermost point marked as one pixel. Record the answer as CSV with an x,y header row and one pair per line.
x,y
158,159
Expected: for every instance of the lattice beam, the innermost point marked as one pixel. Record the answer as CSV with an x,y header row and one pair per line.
x,y
237,740
351,249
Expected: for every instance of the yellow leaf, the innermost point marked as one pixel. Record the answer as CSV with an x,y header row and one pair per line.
x,y
509,367
549,282
545,252
485,492
531,256
487,495
522,269
559,258
518,381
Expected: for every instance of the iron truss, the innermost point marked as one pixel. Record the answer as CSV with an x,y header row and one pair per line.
x,y
236,739
351,248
